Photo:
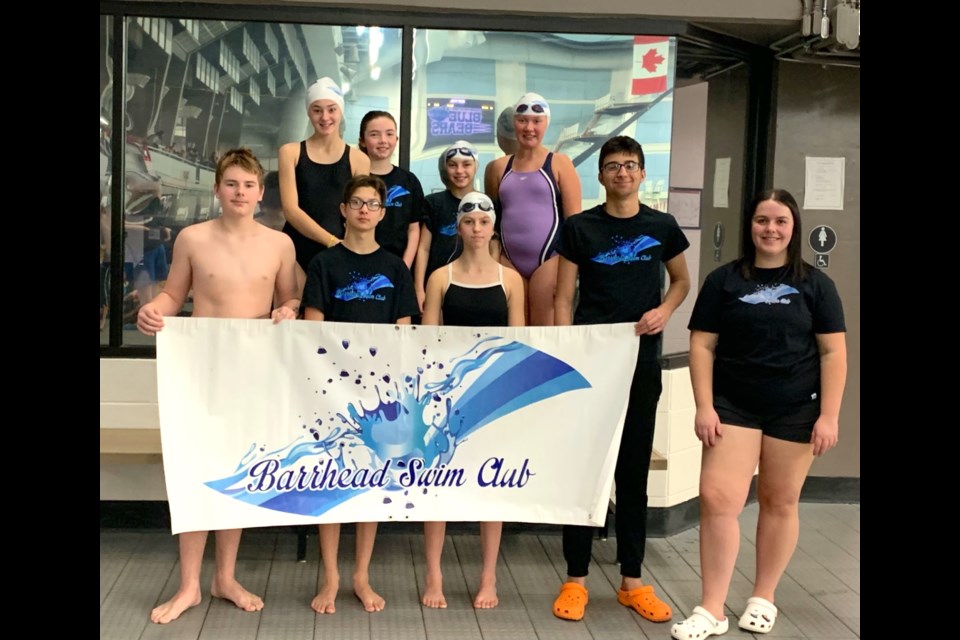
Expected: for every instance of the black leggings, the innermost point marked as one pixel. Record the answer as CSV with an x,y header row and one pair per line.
x,y
633,467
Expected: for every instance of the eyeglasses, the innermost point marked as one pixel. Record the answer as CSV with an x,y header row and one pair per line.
x,y
614,167
372,205
467,207
536,107
459,151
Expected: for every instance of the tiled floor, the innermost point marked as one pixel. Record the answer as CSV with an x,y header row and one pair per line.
x,y
819,596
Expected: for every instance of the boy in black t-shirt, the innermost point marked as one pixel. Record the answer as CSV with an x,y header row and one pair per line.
x,y
356,281
616,250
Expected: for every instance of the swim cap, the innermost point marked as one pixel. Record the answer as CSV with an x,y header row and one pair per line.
x,y
325,89
459,149
531,104
476,201
505,126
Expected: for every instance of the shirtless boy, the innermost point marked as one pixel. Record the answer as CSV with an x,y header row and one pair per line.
x,y
236,268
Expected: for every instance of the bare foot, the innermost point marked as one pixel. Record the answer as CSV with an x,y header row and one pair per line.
x,y
172,608
325,602
369,598
235,593
487,595
433,592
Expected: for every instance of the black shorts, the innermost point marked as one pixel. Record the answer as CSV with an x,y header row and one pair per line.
x,y
793,423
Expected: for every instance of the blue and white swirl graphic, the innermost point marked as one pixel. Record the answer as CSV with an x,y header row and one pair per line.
x,y
364,288
626,250
449,229
404,434
775,294
394,194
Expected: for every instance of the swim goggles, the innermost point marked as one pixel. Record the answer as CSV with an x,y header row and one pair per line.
x,y
536,107
459,151
467,207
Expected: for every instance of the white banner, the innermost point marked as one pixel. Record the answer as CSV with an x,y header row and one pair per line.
x,y
309,422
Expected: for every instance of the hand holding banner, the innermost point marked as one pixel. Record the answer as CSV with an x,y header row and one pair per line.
x,y
307,422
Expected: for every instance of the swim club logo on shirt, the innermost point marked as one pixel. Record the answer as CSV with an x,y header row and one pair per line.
x,y
394,194
626,250
769,294
362,288
449,229
407,434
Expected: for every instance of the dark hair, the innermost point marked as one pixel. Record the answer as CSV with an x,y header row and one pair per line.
x,y
367,119
358,182
243,158
271,190
748,251
621,144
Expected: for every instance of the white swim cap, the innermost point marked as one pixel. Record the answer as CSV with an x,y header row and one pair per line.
x,y
460,149
531,104
325,89
476,201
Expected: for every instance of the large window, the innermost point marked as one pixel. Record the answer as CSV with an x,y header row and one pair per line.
x,y
106,84
196,88
597,87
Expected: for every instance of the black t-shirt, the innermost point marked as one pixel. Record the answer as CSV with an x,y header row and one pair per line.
x,y
767,353
440,217
619,265
404,206
350,287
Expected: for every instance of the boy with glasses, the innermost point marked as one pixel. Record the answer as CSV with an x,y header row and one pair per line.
x,y
356,281
616,249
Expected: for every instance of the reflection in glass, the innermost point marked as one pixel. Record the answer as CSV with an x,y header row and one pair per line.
x,y
106,85
196,88
598,86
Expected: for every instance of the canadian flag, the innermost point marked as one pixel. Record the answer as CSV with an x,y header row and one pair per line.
x,y
651,60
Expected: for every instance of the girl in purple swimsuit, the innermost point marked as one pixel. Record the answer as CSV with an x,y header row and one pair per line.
x,y
536,189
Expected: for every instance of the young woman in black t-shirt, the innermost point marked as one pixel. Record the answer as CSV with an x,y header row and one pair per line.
x,y
768,366
399,231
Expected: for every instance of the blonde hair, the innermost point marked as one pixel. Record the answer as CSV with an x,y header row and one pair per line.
x,y
243,158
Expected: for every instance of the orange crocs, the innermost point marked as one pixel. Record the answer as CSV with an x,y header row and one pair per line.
x,y
645,602
572,601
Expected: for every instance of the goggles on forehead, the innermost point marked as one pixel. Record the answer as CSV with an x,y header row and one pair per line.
x,y
536,107
459,151
467,207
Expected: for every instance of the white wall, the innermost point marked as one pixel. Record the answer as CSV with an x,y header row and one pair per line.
x,y
687,152
128,400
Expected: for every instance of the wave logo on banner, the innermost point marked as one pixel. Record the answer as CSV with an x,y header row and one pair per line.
x,y
411,435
